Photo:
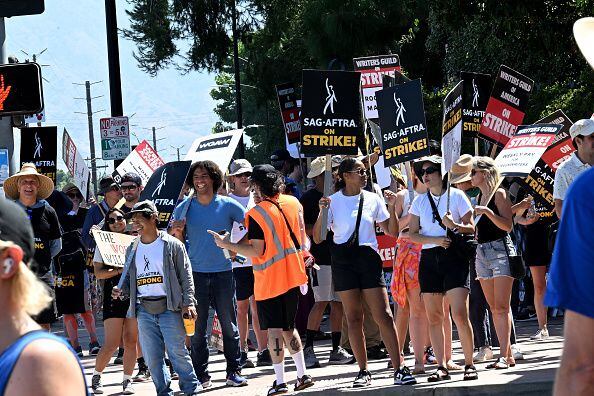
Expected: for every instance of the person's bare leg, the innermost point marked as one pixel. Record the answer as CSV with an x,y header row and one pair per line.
x,y
242,322
130,340
447,331
501,314
89,320
261,335
435,317
401,320
418,327
540,284
336,313
113,334
377,299
353,311
71,326
459,305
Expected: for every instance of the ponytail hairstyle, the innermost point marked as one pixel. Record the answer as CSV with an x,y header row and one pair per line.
x,y
346,165
492,175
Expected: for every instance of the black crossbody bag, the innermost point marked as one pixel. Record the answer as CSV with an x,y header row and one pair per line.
x,y
461,245
346,252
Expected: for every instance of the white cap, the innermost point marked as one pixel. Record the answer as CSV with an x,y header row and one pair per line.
x,y
240,166
583,127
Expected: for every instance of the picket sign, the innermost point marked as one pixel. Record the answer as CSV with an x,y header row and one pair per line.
x,y
216,335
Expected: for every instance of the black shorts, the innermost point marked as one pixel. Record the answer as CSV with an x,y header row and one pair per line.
x,y
244,282
363,271
535,252
440,271
113,308
279,312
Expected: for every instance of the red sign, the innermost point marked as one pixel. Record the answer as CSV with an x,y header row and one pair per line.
x,y
387,248
289,111
372,69
506,107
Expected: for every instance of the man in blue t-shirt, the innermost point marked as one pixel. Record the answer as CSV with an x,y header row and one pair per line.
x,y
570,286
212,270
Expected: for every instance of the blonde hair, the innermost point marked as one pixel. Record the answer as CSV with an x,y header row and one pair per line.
x,y
26,290
492,175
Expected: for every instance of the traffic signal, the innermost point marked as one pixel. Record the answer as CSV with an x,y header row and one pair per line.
x,y
20,89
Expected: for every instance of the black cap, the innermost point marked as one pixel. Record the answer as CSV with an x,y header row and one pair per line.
x,y
106,184
145,206
131,177
264,174
15,227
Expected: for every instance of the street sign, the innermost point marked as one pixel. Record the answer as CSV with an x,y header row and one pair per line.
x,y
20,89
115,138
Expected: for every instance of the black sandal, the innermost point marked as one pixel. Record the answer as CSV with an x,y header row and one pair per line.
x,y
470,372
441,374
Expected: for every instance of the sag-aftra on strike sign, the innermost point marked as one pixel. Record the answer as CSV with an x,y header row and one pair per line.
x,y
330,113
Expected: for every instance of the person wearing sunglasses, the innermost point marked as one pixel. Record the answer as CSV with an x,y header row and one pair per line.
x,y
357,267
240,171
131,185
492,263
442,273
111,192
75,298
115,321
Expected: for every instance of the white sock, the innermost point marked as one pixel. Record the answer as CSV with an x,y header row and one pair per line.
x,y
279,370
95,372
127,377
299,360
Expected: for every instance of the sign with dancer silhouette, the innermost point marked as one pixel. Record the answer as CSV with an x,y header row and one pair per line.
x,y
330,113
287,100
507,105
372,69
402,122
20,89
477,87
39,145
451,130
76,165
164,188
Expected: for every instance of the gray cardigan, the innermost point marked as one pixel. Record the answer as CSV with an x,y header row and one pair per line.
x,y
179,284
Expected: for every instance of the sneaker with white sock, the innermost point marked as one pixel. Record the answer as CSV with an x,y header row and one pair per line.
x,y
484,353
363,379
541,334
516,352
127,387
96,384
402,376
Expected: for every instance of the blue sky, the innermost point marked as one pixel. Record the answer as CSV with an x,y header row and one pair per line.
x,y
74,34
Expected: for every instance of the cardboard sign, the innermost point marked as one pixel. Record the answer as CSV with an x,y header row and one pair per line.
x,y
164,188
402,122
506,107
451,130
143,161
477,87
372,69
115,138
289,111
218,148
39,145
75,164
524,149
112,247
539,183
331,113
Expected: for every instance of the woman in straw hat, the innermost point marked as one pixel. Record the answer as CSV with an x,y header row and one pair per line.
x,y
29,189
32,361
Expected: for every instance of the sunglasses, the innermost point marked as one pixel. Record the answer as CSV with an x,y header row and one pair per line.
x,y
130,187
247,174
112,220
74,195
428,171
361,172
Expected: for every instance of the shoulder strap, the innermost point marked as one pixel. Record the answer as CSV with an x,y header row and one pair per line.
x,y
293,237
436,216
358,222
128,262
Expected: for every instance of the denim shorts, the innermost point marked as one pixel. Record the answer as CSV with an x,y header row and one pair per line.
x,y
492,260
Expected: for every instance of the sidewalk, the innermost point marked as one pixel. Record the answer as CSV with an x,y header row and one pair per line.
x,y
532,376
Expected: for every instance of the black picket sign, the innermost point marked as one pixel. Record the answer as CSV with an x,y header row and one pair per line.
x,y
39,145
477,87
164,187
402,122
330,113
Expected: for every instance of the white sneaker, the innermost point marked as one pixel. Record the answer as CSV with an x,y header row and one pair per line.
x,y
484,353
541,334
127,387
516,352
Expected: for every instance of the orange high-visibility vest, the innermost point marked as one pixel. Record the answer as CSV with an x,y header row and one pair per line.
x,y
281,267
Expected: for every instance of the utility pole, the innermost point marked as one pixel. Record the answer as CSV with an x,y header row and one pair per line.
x,y
155,140
238,108
89,114
178,148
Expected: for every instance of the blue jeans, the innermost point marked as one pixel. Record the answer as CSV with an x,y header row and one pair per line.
x,y
216,289
158,333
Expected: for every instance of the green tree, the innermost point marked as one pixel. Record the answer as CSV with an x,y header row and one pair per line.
x,y
63,178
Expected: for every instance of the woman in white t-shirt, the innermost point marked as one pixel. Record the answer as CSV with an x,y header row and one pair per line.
x,y
441,272
357,269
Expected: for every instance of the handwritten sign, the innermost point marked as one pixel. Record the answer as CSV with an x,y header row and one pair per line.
x,y
112,247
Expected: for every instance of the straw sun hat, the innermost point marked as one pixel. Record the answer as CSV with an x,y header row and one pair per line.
x,y
11,185
461,169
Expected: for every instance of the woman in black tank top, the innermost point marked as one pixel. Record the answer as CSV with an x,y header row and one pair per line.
x,y
492,264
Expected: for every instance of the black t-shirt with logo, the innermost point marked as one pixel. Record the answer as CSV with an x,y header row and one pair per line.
x,y
46,228
310,202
